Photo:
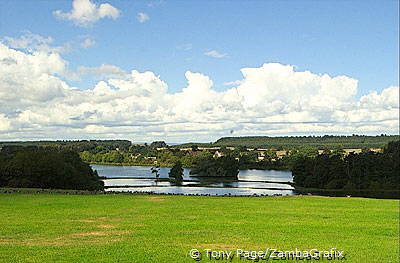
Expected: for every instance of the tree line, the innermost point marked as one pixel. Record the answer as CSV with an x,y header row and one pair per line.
x,y
278,143
52,167
49,168
74,145
319,142
363,171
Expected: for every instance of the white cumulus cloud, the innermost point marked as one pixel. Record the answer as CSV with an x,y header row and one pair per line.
x,y
32,42
142,17
85,13
273,99
30,80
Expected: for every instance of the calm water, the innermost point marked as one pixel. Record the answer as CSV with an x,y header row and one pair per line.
x,y
140,179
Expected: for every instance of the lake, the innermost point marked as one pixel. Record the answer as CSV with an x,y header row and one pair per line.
x,y
140,179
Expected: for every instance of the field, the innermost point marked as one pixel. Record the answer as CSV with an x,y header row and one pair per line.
x,y
149,228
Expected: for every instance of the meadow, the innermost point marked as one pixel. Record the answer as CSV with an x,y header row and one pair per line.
x,y
154,228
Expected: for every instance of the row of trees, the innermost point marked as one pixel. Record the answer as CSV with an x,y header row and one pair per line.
x,y
77,145
297,142
366,170
47,168
146,155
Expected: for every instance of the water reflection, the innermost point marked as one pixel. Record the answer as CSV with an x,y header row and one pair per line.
x,y
140,179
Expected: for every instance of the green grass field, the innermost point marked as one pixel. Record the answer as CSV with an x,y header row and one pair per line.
x,y
146,228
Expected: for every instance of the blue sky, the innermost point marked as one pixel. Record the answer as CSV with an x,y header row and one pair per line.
x,y
76,69
355,38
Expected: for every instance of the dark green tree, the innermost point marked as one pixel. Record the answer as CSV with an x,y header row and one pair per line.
x,y
176,172
225,166
47,168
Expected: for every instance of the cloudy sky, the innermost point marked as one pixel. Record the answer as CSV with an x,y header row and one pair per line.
x,y
197,70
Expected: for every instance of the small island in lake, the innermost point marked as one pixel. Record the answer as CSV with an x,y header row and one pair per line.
x,y
225,166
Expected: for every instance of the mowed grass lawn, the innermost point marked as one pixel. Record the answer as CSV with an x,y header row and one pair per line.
x,y
148,228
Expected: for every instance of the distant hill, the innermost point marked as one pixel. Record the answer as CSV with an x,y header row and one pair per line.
x,y
286,142
75,145
321,142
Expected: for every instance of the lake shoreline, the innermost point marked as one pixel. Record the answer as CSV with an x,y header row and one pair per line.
x,y
36,191
134,164
163,165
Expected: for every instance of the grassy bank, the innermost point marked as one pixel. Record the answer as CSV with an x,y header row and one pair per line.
x,y
380,193
145,228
